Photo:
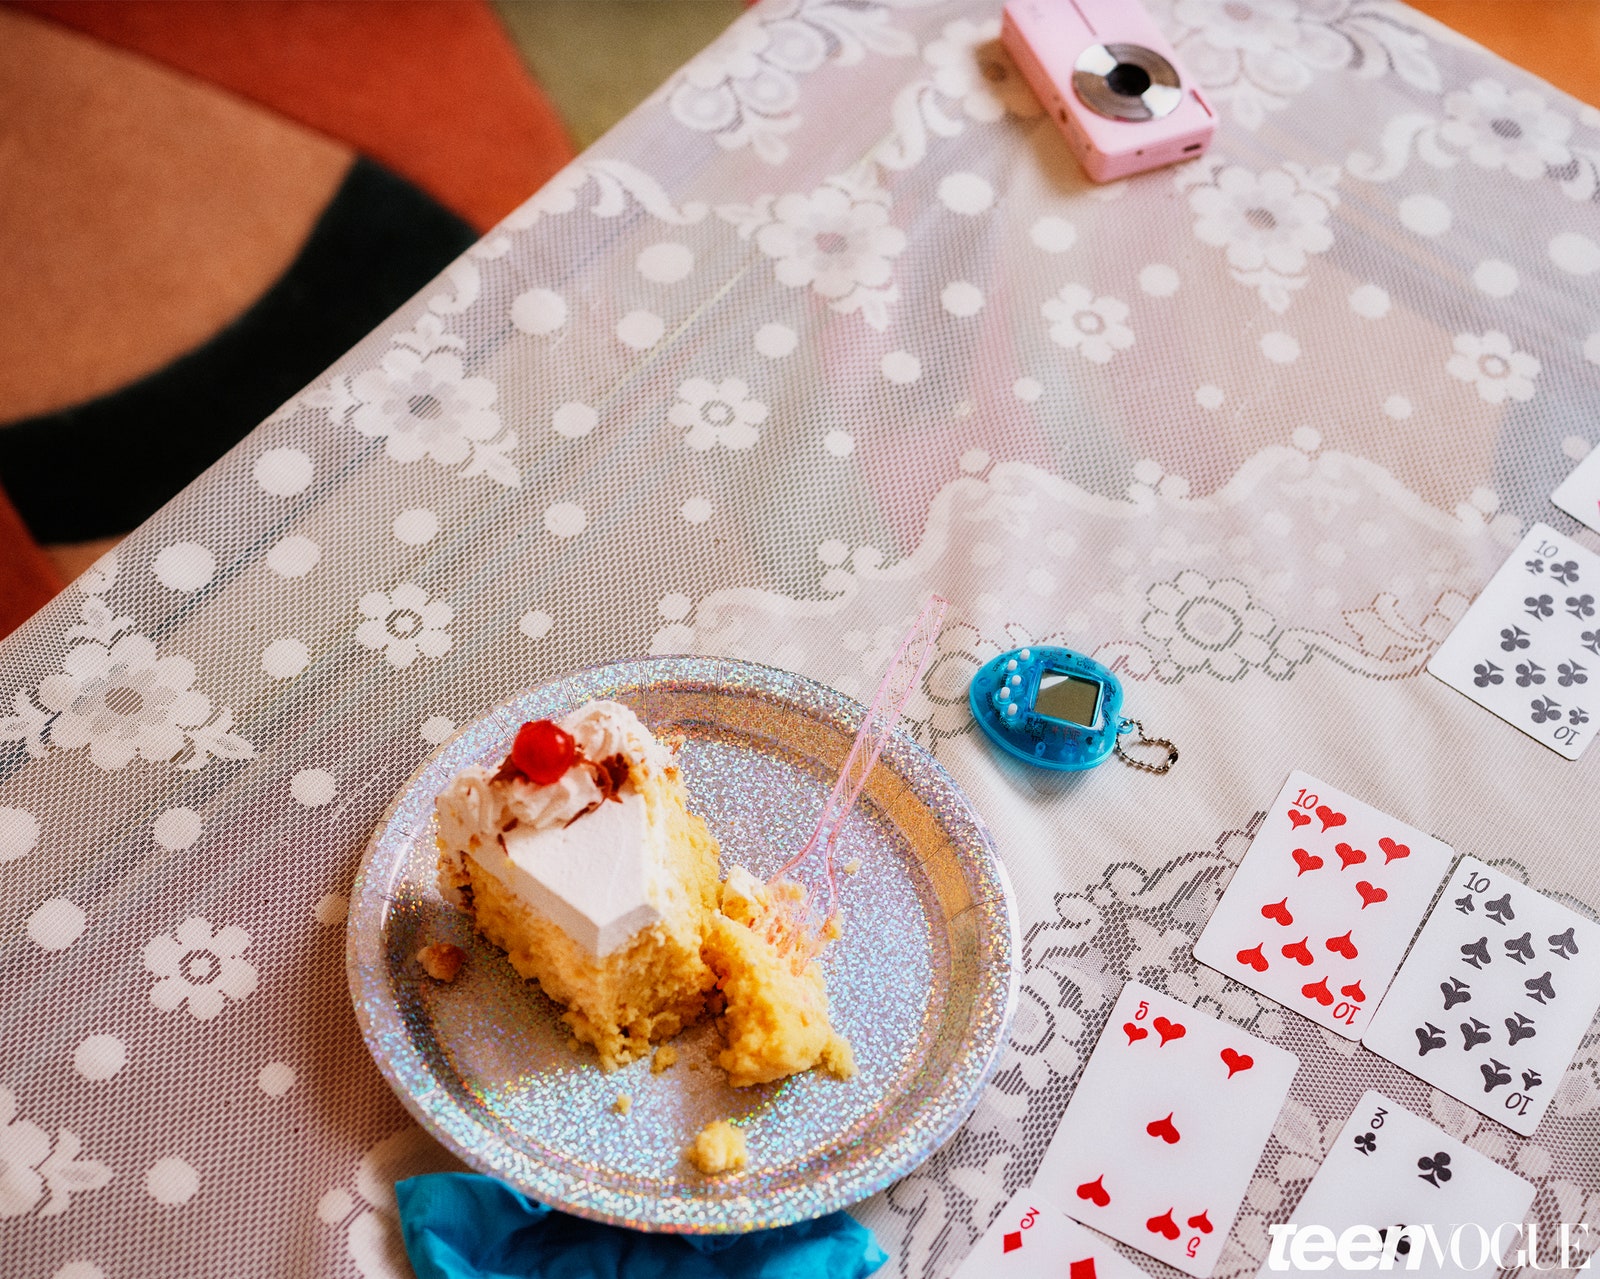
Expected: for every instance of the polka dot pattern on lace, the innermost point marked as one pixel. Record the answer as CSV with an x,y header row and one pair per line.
x,y
539,311
284,472
184,566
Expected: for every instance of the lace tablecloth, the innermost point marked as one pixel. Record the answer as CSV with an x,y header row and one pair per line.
x,y
832,321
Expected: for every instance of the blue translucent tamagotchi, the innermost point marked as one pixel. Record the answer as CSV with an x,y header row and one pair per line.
x,y
1057,709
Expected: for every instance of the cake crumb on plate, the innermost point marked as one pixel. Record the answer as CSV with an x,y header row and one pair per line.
x,y
666,1056
623,1104
718,1148
441,960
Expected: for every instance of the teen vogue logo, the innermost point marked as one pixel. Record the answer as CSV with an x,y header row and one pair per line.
x,y
1468,1247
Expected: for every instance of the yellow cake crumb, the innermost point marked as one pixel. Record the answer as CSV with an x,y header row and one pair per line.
x,y
776,1018
666,1056
623,1104
852,866
719,1147
441,960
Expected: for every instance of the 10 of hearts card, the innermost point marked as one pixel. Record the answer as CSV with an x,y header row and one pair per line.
x,y
1165,1129
1323,905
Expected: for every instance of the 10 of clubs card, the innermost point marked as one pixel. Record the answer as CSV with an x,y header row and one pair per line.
x,y
1495,997
1032,1240
1165,1129
1319,912
1398,1175
1529,647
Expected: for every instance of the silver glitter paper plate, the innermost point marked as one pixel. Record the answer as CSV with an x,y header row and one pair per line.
x,y
922,981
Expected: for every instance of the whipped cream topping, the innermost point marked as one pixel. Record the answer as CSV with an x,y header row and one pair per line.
x,y
603,729
579,850
547,807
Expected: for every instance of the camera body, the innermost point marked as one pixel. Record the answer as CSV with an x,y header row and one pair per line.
x,y
1111,82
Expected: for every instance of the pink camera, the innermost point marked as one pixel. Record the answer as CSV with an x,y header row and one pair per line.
x,y
1103,69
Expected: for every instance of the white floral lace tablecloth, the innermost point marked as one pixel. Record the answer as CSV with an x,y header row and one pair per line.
x,y
830,322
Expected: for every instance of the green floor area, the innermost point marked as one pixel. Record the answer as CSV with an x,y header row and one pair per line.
x,y
598,59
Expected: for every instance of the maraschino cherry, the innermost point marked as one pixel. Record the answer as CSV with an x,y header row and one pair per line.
x,y
543,751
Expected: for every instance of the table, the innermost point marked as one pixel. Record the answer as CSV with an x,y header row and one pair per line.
x,y
830,322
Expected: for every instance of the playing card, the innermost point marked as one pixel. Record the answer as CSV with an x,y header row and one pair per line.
x,y
1579,494
1321,909
1032,1240
1390,1170
1529,647
1165,1129
1493,999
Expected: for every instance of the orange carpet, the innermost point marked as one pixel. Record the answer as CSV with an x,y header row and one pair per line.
x,y
1556,39
433,91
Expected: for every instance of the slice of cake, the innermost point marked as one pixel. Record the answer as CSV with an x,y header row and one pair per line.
x,y
579,859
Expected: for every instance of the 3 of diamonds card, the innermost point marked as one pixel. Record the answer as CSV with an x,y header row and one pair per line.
x,y
1495,996
1030,1239
1397,1174
1321,909
1529,647
1165,1129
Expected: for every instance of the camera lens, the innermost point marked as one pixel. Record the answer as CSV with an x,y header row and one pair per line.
x,y
1127,80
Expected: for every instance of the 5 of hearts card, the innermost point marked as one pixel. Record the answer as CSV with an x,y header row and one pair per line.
x,y
1390,1179
1165,1129
1321,909
1494,998
1529,647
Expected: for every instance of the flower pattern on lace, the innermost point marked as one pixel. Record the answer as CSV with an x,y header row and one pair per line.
x,y
370,1218
1208,626
123,701
744,87
970,66
1501,128
1494,367
1268,223
1092,326
200,968
29,1167
23,1147
718,413
835,240
421,403
404,624
1254,56
118,697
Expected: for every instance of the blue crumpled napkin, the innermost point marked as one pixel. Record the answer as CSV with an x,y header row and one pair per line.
x,y
459,1225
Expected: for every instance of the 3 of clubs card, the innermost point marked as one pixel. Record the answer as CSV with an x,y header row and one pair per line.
x,y
1165,1129
1495,997
1032,1240
1529,647
1321,909
1397,1174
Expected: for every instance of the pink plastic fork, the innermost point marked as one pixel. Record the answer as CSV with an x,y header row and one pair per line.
x,y
903,677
